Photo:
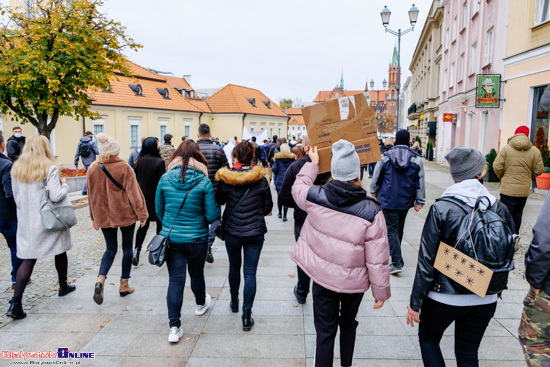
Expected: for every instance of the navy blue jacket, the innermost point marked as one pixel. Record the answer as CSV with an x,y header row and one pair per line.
x,y
87,161
398,179
7,204
282,162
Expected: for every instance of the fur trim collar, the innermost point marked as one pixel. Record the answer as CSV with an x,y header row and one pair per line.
x,y
178,161
236,177
282,155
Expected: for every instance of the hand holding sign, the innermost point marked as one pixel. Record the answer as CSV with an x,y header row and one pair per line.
x,y
313,155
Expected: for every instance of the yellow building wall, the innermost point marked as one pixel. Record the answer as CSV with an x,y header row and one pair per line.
x,y
522,33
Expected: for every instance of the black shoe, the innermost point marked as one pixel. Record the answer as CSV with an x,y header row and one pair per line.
x,y
84,193
248,321
16,310
279,215
234,304
135,258
284,219
299,298
209,256
65,289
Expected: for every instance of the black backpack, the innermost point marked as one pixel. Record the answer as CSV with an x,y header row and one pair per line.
x,y
485,236
85,149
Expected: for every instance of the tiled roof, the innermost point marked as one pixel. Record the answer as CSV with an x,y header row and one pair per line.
x,y
140,71
178,83
294,111
325,95
296,120
200,104
233,99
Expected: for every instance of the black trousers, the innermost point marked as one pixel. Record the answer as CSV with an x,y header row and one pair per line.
x,y
330,310
515,206
395,221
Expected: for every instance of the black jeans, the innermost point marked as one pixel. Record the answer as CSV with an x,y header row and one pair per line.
x,y
330,310
178,258
395,221
8,228
111,242
282,209
515,206
251,249
142,232
470,324
304,280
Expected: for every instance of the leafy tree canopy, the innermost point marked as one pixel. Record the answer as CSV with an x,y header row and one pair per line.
x,y
285,102
54,55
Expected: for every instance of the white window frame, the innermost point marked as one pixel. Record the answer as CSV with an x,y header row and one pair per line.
x,y
473,59
455,27
445,75
541,16
489,42
262,125
252,127
452,75
100,122
464,15
187,127
447,38
468,135
280,129
163,123
483,125
461,68
135,121
476,7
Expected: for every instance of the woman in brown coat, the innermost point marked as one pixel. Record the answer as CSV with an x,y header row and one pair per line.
x,y
114,203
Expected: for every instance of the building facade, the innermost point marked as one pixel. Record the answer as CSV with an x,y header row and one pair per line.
x,y
423,111
296,125
527,68
474,40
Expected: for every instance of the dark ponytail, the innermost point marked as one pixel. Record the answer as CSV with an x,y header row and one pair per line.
x,y
244,152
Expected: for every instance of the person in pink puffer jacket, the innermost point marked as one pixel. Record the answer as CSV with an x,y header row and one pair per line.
x,y
343,247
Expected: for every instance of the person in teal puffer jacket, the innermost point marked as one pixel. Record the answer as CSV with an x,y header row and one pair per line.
x,y
186,179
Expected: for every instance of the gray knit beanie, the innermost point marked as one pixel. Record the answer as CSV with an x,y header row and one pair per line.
x,y
345,161
465,163
107,145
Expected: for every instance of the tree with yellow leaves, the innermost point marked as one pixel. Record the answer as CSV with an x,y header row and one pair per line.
x,y
55,54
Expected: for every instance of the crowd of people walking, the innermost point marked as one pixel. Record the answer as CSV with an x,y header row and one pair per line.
x,y
347,242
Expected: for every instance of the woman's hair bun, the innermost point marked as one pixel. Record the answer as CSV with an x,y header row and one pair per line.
x,y
102,137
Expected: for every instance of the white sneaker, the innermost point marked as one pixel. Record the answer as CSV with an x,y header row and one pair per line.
x,y
201,309
175,334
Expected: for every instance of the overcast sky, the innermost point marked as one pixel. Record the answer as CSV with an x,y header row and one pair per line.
x,y
285,48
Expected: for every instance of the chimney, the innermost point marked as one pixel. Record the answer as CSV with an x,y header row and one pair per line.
x,y
187,79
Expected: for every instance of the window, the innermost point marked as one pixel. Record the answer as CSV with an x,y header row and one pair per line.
x,y
252,101
445,80
473,59
468,129
452,76
163,122
187,123
134,131
391,109
476,6
252,127
455,27
99,126
461,68
447,37
543,11
489,47
541,112
280,127
464,15
483,131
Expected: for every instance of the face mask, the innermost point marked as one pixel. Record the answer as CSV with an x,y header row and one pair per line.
x,y
17,135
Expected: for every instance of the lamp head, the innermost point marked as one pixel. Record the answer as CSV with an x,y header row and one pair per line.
x,y
385,14
372,83
413,15
384,83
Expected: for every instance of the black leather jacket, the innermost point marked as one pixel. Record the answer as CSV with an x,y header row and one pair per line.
x,y
441,225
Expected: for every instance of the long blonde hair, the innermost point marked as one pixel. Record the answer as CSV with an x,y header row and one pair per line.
x,y
34,163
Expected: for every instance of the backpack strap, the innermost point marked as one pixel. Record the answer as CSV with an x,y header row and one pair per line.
x,y
462,205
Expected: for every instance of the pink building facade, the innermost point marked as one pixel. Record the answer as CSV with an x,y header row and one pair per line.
x,y
474,42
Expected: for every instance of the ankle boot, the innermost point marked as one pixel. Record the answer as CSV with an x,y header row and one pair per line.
x,y
16,309
234,303
125,289
248,321
65,288
135,258
98,290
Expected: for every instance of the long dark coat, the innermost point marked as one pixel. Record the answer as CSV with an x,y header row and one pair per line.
x,y
149,170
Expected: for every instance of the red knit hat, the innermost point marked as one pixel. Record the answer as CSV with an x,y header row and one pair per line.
x,y
522,130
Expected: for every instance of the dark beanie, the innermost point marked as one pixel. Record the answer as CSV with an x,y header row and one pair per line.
x,y
402,137
465,163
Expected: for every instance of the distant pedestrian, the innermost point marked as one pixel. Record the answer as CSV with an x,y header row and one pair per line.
x,y
149,168
87,150
33,172
185,203
263,148
417,148
282,161
398,184
8,210
15,144
301,289
517,164
116,201
534,328
228,150
166,150
437,301
343,247
135,154
244,223
216,159
299,151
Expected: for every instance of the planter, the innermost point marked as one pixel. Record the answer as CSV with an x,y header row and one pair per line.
x,y
431,155
491,176
76,183
543,181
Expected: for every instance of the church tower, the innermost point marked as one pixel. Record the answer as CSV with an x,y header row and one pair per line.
x,y
392,84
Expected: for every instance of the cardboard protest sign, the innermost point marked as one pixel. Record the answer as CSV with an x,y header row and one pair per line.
x,y
463,269
350,118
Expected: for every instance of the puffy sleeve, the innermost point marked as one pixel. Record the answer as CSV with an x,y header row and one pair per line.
x,y
377,256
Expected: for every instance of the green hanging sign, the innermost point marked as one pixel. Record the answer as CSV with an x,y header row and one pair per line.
x,y
488,90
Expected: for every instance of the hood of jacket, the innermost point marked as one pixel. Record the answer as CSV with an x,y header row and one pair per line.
x,y
192,177
240,177
341,193
400,156
469,191
85,139
520,142
385,148
282,155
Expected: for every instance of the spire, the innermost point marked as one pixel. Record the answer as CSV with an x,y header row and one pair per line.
x,y
394,58
342,80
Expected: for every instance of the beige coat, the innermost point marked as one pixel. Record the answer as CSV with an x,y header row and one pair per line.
x,y
517,164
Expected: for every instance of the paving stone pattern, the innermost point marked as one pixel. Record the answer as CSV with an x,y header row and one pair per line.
x,y
133,331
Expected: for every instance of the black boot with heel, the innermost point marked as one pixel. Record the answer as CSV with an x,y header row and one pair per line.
x,y
135,258
16,309
248,321
234,303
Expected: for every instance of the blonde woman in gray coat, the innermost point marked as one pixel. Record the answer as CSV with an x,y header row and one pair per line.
x,y
29,173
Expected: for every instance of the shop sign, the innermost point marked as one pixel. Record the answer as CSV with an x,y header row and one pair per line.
x,y
488,91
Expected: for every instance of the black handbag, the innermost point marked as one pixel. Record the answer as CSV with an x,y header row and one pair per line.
x,y
220,231
159,243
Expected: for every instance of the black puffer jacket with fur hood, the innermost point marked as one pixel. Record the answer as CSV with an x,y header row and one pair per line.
x,y
248,220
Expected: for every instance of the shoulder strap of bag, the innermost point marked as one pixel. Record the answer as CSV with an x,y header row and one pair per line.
x,y
47,196
181,207
238,204
117,184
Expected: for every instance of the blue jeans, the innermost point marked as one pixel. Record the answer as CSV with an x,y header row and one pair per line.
x,y
178,258
251,248
470,324
8,228
111,242
84,189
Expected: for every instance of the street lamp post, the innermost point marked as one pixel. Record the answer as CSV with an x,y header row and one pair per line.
x,y
413,17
